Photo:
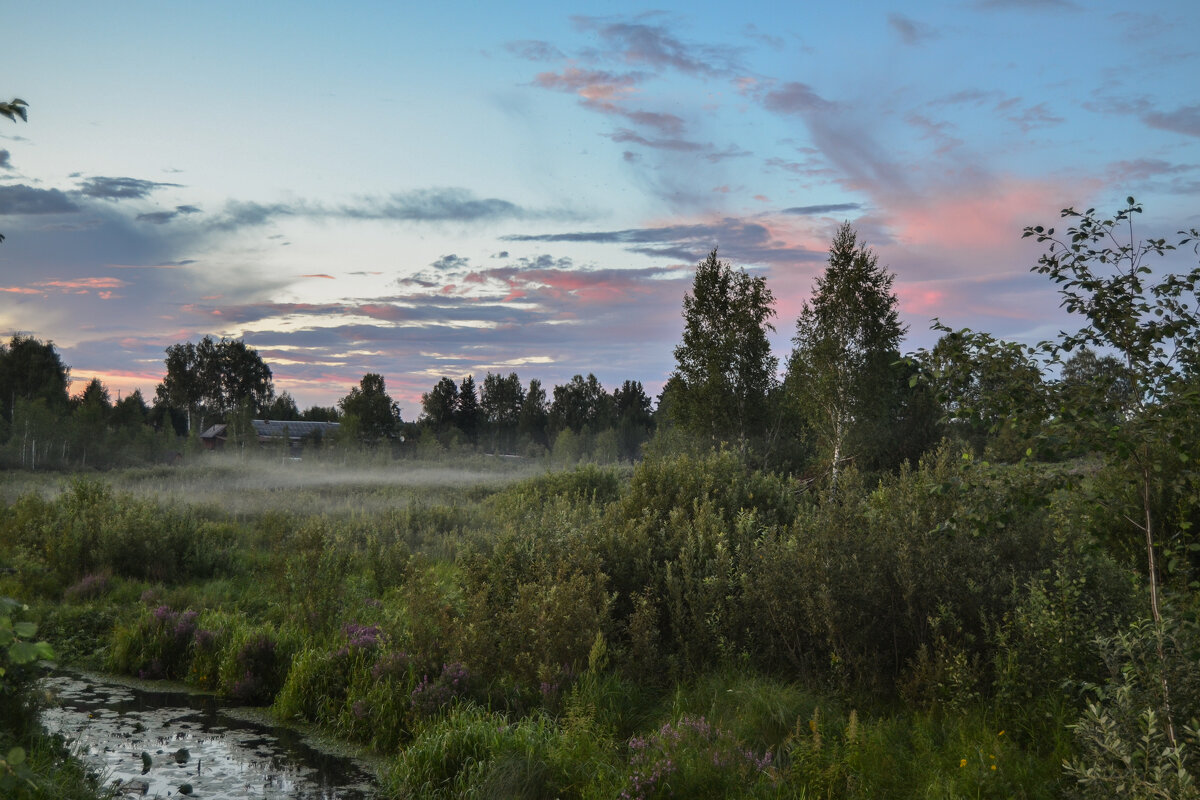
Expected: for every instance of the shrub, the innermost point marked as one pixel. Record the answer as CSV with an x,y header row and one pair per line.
x,y
691,758
158,646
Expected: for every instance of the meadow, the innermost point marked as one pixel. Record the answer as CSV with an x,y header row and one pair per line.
x,y
683,627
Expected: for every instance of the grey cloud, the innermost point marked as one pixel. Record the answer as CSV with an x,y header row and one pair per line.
x,y
436,205
1038,116
843,140
1028,5
451,261
5,160
910,31
742,240
751,31
120,188
239,214
655,46
729,152
624,135
545,261
21,199
534,50
163,217
1184,120
795,98
808,211
972,96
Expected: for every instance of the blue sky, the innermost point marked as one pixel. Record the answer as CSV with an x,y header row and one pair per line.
x,y
442,189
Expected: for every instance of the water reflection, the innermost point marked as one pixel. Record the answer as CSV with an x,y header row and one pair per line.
x,y
167,744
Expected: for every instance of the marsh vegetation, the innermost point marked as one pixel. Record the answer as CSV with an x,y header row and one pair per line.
x,y
947,575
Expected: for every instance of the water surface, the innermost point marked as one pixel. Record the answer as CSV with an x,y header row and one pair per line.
x,y
164,743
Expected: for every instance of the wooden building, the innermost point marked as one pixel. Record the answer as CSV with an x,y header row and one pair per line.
x,y
274,432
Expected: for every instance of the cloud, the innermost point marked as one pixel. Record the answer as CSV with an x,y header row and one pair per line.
x,y
423,205
120,188
590,84
909,30
654,46
163,217
21,199
1038,116
604,92
534,50
795,98
751,31
1028,5
1145,168
436,205
5,159
624,135
742,240
1184,120
808,211
451,262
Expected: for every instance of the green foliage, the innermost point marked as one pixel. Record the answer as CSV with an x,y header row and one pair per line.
x,y
18,656
673,546
213,378
846,344
1125,746
990,391
724,367
376,415
690,757
472,753
89,530
31,370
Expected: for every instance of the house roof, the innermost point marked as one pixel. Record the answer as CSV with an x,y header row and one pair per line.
x,y
214,431
293,429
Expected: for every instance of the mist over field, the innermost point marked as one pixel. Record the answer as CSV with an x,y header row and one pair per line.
x,y
256,484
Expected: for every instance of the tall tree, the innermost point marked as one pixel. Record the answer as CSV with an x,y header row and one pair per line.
x,y
213,378
724,365
370,410
847,339
283,407
31,369
535,414
991,391
634,420
131,411
468,414
500,401
581,404
440,405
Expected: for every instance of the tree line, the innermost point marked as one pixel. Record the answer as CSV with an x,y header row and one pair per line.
x,y
847,395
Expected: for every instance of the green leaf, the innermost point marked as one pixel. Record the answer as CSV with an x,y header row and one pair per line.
x,y
25,629
22,653
16,756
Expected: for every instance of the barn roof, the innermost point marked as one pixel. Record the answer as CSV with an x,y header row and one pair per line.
x,y
214,431
293,429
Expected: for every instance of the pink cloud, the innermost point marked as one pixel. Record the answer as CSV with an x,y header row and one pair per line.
x,y
976,217
83,285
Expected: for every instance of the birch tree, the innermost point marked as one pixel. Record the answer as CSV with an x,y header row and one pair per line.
x,y
847,339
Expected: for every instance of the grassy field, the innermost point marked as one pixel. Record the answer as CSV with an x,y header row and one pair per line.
x,y
685,628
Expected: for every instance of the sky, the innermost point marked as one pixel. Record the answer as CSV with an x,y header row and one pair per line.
x,y
444,189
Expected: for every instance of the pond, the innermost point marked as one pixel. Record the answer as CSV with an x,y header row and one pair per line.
x,y
157,743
